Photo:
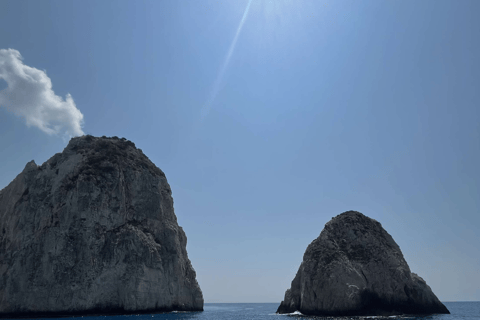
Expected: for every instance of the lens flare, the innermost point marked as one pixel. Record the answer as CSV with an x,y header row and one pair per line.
x,y
216,85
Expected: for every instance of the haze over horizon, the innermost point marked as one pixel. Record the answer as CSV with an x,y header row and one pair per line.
x,y
268,118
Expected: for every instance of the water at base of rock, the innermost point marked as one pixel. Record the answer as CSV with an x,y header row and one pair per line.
x,y
266,311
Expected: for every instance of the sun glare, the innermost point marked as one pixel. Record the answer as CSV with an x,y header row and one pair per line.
x,y
218,80
273,22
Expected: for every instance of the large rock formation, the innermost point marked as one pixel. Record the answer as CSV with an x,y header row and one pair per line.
x,y
355,268
93,231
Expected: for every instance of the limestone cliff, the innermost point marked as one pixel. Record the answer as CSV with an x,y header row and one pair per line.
x,y
355,268
93,231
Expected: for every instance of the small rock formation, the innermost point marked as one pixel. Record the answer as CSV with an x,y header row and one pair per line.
x,y
355,268
93,231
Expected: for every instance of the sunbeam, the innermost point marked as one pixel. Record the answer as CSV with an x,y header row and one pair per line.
x,y
216,85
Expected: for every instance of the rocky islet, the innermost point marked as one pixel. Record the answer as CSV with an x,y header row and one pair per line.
x,y
355,268
93,231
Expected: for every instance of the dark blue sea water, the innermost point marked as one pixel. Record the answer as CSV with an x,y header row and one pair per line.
x,y
266,311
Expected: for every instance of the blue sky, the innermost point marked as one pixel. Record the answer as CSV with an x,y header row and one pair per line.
x,y
269,127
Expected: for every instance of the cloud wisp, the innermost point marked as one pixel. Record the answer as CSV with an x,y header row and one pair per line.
x,y
29,95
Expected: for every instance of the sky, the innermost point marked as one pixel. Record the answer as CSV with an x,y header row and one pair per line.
x,y
268,118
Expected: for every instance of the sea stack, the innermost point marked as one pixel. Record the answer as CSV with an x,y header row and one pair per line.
x,y
355,268
93,231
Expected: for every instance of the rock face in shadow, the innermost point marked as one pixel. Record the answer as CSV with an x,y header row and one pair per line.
x,y
355,268
93,231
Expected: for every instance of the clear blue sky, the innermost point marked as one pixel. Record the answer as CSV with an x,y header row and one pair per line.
x,y
271,118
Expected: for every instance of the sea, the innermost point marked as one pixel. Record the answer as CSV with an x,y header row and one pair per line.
x,y
266,311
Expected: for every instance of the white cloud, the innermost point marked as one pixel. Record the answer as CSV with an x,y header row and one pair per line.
x,y
29,94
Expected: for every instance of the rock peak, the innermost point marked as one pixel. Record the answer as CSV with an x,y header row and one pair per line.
x,y
30,166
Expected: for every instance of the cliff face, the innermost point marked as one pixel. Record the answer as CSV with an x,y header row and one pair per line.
x,y
93,230
355,268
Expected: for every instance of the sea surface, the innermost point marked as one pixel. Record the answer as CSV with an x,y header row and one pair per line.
x,y
266,311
